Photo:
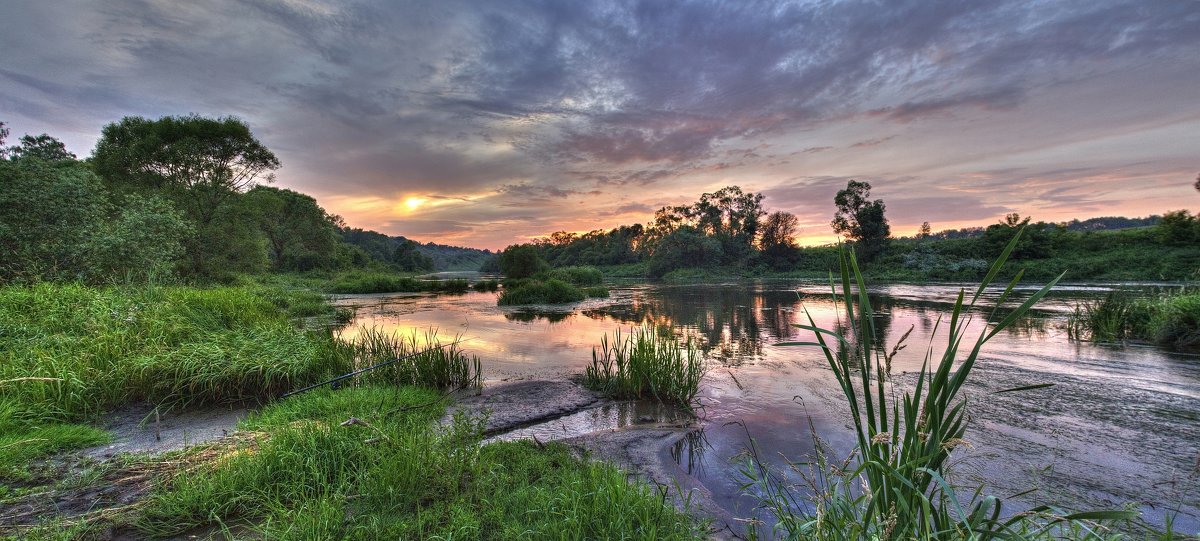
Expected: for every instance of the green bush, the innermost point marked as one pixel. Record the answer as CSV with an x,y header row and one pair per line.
x,y
598,292
376,282
1176,322
456,285
486,285
580,276
536,292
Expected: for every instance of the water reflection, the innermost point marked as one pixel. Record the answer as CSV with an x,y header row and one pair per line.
x,y
1118,420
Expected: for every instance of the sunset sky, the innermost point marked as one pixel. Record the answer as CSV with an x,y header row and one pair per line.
x,y
488,123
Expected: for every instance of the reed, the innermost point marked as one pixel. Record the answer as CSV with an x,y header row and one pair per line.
x,y
646,364
894,484
432,363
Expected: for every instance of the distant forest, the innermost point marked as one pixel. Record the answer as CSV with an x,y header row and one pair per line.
x,y
178,198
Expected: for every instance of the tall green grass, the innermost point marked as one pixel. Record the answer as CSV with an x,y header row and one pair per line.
x,y
1171,320
894,485
431,363
368,463
70,351
551,291
579,276
376,282
646,364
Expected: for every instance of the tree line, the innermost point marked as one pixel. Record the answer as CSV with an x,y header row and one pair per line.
x,y
730,228
179,197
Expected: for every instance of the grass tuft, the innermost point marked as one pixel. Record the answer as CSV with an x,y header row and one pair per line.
x,y
646,364
894,484
551,291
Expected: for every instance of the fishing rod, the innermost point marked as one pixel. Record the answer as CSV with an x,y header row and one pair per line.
x,y
369,368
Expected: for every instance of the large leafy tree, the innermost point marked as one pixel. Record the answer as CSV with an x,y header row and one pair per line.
x,y
860,219
521,261
300,235
729,215
778,239
202,165
201,162
42,146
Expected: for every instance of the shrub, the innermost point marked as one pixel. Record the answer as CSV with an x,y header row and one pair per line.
x,y
598,292
549,292
580,276
376,282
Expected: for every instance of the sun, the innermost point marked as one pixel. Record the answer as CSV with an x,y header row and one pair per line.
x,y
413,203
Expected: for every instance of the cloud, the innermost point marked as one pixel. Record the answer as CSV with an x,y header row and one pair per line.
x,y
532,105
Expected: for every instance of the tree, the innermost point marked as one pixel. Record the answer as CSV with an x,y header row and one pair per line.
x,y
143,241
42,147
1036,241
3,136
521,261
48,211
728,215
1197,184
860,219
1179,228
408,258
925,231
685,247
300,235
200,162
778,239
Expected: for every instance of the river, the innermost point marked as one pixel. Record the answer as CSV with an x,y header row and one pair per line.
x,y
1120,425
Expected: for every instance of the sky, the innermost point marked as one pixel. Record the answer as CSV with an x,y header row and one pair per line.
x,y
493,122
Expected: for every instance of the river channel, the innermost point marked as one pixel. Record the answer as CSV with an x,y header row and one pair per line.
x,y
1120,425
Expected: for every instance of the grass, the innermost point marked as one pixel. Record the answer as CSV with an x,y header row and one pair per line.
x,y
376,282
486,285
299,470
1171,320
551,291
429,362
579,276
893,486
646,364
70,352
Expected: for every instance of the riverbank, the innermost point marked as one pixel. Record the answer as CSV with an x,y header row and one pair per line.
x,y
369,461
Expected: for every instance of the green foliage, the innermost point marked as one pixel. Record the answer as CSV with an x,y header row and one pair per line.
x,y
487,285
393,475
860,219
684,248
1175,322
48,212
550,291
102,347
778,240
300,235
1179,228
521,261
729,216
375,282
202,165
42,147
894,485
580,276
647,364
456,285
1036,240
1171,320
72,351
142,243
434,364
596,292
408,258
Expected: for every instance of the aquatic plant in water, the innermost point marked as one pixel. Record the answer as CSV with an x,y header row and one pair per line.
x,y
646,364
893,486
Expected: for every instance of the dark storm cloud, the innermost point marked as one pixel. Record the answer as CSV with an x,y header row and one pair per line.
x,y
546,100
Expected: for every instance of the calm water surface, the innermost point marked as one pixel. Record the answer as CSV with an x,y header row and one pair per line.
x,y
1120,425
